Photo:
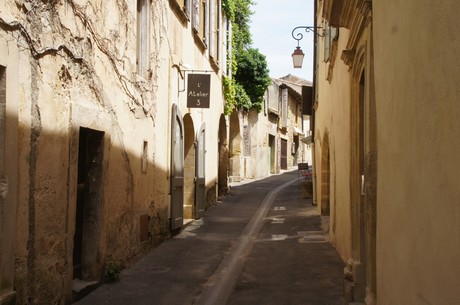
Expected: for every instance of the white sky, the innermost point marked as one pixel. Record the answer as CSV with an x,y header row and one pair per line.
x,y
271,27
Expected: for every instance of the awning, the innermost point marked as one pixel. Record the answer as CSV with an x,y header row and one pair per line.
x,y
307,140
298,131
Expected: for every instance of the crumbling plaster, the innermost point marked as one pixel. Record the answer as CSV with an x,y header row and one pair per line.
x,y
77,71
76,62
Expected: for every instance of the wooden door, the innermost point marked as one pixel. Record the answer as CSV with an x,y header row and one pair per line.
x,y
177,169
283,160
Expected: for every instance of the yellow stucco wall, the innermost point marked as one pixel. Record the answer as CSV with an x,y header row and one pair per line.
x,y
333,119
417,83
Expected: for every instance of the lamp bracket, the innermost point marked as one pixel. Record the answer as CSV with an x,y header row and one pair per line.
x,y
298,35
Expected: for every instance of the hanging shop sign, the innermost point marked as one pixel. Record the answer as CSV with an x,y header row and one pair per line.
x,y
198,90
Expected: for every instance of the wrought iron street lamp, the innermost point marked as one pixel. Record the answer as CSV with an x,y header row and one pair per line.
x,y
298,55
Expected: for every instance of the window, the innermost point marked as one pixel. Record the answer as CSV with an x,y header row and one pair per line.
x,y
200,25
214,37
142,51
144,158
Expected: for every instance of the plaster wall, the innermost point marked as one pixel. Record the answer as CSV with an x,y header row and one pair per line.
x,y
333,118
258,165
417,98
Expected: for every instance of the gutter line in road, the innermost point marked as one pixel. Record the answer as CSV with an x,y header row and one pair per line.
x,y
222,282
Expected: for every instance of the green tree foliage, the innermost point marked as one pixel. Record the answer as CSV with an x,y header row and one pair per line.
x,y
229,94
244,101
245,88
253,74
241,32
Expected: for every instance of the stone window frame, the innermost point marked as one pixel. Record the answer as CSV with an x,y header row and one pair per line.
x,y
182,9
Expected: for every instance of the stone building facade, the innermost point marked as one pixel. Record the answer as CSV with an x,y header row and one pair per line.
x,y
99,149
386,141
271,138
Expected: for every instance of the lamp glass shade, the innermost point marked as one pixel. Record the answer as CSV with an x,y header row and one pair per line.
x,y
297,57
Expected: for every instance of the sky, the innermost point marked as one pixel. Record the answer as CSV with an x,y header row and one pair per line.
x,y
271,27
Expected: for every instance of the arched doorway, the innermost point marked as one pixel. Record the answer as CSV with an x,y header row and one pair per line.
x,y
363,185
88,210
189,168
325,176
222,148
235,148
177,169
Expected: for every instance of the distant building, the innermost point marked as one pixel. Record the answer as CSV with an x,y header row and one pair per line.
x,y
272,139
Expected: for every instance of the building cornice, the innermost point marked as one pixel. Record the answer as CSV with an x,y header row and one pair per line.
x,y
361,19
340,13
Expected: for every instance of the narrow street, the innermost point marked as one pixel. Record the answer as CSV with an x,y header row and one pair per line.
x,y
262,244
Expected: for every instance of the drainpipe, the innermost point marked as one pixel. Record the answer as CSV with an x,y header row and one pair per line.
x,y
312,121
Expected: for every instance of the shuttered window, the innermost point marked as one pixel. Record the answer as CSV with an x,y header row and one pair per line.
x,y
200,21
213,14
143,64
196,16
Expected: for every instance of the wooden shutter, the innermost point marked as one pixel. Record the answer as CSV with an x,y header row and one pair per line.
x,y
142,38
283,156
196,15
205,19
187,7
212,26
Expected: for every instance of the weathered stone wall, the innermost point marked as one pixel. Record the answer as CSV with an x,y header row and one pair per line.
x,y
76,62
77,71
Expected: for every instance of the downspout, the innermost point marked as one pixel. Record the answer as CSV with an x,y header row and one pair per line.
x,y
312,121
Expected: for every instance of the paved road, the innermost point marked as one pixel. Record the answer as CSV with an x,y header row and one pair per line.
x,y
261,245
